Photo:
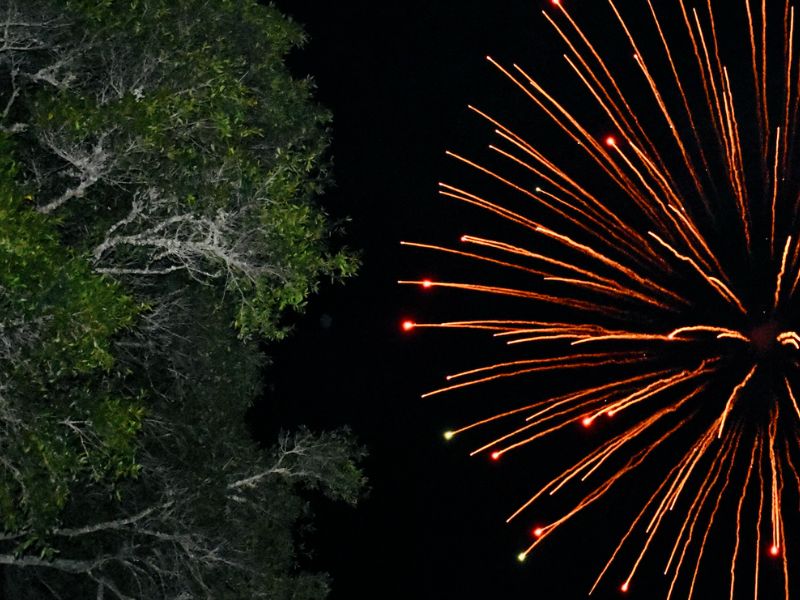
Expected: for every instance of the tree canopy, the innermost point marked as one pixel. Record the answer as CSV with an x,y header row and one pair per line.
x,y
159,175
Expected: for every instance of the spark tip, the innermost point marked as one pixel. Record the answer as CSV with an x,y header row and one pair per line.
x,y
496,455
611,141
774,550
408,325
587,421
521,557
426,283
538,532
625,586
448,435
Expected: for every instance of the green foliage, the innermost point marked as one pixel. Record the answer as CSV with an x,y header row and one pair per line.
x,y
158,219
63,418
194,106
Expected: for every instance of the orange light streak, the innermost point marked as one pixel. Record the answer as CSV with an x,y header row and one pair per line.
x,y
602,489
732,398
659,201
756,81
632,527
793,399
698,502
580,195
790,338
568,366
774,194
742,498
782,271
777,524
760,512
654,389
721,331
723,290
718,117
712,516
790,54
609,76
736,159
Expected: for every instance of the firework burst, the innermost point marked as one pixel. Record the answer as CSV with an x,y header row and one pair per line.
x,y
666,264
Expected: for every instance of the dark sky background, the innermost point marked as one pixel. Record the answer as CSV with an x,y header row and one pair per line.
x,y
398,78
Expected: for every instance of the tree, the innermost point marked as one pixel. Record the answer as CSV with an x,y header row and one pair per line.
x,y
62,416
159,219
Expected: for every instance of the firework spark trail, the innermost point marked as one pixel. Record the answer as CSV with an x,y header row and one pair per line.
x,y
742,498
667,352
712,516
760,511
627,237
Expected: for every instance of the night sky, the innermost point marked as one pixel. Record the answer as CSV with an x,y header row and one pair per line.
x,y
398,78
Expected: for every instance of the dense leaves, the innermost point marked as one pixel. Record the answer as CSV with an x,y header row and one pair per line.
x,y
62,415
159,170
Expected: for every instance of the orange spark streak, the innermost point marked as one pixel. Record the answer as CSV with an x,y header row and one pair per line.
x,y
714,99
632,527
595,390
764,63
612,109
777,541
588,251
736,159
582,138
588,460
718,285
601,490
623,336
689,113
790,338
756,80
501,416
792,468
608,75
530,370
580,408
608,286
734,394
760,512
774,195
458,194
792,398
659,202
739,519
558,360
582,196
697,452
782,269
722,331
600,156
653,389
790,54
714,510
523,191
506,292
639,57
696,508
699,237
611,285
701,68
